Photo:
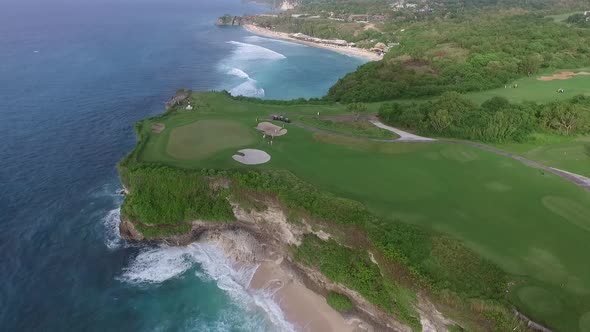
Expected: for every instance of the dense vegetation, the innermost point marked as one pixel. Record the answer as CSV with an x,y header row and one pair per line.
x,y
579,20
352,268
470,53
496,120
339,301
163,200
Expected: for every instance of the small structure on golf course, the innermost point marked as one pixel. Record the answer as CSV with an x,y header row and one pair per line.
x,y
251,157
271,129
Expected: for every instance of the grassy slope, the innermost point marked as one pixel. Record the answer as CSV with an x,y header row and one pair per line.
x,y
571,154
503,210
532,89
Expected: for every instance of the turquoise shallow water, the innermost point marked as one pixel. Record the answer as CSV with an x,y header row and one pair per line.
x,y
74,77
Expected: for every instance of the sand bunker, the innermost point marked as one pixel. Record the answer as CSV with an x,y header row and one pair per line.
x,y
271,129
564,75
158,128
251,157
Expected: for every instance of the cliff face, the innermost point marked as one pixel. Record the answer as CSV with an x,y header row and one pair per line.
x,y
266,237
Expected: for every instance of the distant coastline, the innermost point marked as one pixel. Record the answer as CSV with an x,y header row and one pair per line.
x,y
352,51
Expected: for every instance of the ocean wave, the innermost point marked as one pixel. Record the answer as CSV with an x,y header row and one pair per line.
x,y
257,39
238,72
155,265
111,223
245,51
247,89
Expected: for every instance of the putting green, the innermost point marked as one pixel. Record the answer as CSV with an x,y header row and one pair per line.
x,y
203,138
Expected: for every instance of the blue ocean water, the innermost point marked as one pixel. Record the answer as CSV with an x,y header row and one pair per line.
x,y
74,77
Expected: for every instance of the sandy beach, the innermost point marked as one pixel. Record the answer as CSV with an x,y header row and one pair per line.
x,y
352,51
301,306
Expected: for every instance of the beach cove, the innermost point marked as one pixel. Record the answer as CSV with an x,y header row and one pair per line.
x,y
351,51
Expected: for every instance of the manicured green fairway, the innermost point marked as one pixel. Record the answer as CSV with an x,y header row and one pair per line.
x,y
534,225
203,138
572,155
532,89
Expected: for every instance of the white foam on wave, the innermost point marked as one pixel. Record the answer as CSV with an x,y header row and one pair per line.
x,y
157,264
245,51
238,72
247,89
258,39
111,223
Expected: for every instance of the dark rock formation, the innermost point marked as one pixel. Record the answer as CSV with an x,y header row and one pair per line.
x,y
230,20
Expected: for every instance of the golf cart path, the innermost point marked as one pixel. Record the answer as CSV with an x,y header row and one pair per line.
x,y
403,135
577,179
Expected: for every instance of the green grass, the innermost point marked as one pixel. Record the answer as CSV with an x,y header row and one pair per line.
x,y
352,268
530,223
568,153
532,89
339,301
360,128
163,200
203,138
560,18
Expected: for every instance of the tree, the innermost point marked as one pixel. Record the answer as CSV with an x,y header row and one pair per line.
x,y
357,109
495,104
440,120
531,63
566,117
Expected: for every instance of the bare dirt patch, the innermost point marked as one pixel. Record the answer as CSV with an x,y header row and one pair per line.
x,y
271,129
564,75
158,128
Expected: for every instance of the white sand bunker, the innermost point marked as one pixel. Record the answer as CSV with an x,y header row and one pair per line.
x,y
271,129
251,157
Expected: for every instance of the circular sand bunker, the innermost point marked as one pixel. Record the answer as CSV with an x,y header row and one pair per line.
x,y
271,129
251,157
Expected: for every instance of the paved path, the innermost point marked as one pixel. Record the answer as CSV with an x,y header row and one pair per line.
x,y
403,135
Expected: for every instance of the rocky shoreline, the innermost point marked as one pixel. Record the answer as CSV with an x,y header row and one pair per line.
x,y
265,238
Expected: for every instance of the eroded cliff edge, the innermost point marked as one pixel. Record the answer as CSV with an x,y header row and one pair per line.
x,y
265,237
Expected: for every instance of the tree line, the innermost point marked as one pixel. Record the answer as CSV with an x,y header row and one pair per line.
x,y
476,52
495,121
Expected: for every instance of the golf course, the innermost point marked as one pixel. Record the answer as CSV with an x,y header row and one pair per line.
x,y
532,224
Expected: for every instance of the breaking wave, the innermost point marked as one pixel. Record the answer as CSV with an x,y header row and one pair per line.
x,y
247,89
155,265
111,223
246,51
255,39
238,72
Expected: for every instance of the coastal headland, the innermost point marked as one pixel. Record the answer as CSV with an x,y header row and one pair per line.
x,y
367,235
